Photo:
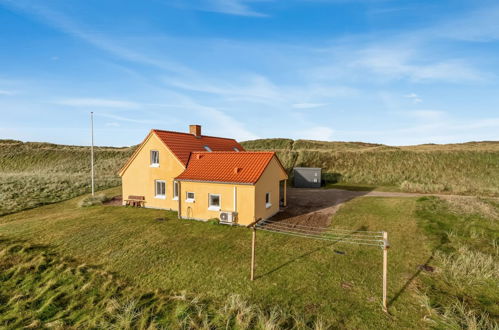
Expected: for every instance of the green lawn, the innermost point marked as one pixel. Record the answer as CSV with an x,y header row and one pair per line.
x,y
213,260
302,277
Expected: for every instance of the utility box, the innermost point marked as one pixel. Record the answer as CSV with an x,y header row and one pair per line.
x,y
307,177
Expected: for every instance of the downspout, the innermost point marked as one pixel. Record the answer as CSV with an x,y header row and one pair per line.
x,y
235,198
179,204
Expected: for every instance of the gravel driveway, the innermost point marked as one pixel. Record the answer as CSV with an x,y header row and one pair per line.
x,y
314,207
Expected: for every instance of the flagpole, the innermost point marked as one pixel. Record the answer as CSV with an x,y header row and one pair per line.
x,y
92,150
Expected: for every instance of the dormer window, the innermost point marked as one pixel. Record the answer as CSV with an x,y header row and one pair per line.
x,y
154,158
235,149
207,148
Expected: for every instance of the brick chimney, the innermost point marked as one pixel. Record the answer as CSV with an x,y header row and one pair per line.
x,y
195,130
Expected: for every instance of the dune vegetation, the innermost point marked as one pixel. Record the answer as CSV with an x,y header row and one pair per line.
x,y
63,265
34,174
462,292
468,168
45,290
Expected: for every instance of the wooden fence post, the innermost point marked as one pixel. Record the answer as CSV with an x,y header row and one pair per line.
x,y
385,266
253,243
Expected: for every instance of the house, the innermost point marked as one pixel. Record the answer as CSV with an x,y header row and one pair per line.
x,y
204,177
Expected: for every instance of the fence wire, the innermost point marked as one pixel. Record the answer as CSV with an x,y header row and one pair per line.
x,y
371,238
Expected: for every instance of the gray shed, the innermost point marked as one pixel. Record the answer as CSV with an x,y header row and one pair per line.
x,y
307,177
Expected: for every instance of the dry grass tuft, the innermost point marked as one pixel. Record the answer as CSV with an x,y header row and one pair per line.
x,y
93,200
472,206
466,267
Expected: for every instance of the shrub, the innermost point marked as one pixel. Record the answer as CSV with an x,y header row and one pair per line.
x,y
93,200
213,221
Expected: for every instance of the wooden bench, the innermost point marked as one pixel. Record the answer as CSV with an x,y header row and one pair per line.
x,y
135,201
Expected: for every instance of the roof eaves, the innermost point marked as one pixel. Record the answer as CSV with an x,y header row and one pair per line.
x,y
211,181
274,155
122,170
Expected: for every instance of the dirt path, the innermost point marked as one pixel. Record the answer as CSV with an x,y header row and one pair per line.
x,y
314,207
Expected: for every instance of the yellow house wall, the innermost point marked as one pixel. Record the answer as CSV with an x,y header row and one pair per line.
x,y
138,179
268,182
199,209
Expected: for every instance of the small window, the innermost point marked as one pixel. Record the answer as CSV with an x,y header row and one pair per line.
x,y
236,149
267,200
175,190
207,148
160,189
190,197
214,202
154,158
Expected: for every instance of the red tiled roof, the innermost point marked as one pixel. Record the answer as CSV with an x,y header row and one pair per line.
x,y
182,144
237,167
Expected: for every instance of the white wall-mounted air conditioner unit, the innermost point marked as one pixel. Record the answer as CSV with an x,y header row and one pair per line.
x,y
228,217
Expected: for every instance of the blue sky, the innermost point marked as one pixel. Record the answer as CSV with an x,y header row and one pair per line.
x,y
394,72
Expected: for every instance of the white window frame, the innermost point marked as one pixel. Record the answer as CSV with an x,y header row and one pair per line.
x,y
156,195
207,148
267,204
190,200
175,190
214,207
152,164
236,149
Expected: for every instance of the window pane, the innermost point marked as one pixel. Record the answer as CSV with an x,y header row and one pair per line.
x,y
215,200
267,198
154,157
175,189
160,188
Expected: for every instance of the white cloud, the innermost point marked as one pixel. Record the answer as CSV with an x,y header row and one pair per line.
x,y
399,63
113,124
479,26
233,7
149,122
226,126
254,88
230,7
97,103
321,133
426,114
110,45
442,131
5,92
414,97
306,105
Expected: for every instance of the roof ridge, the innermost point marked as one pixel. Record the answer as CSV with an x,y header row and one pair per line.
x,y
233,152
184,133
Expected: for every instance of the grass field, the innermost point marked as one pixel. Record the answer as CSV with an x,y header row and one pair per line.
x,y
469,168
300,283
34,174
